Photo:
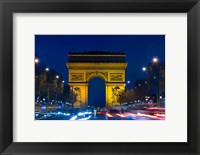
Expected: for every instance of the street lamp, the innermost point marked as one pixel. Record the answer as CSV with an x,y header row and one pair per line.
x,y
144,69
155,60
63,81
47,69
128,81
36,60
57,77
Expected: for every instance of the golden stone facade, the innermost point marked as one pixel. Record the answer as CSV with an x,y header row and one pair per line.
x,y
80,73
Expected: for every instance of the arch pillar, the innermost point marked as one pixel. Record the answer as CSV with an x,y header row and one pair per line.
x,y
80,90
112,92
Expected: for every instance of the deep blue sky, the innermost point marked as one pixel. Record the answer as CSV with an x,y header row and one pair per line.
x,y
52,50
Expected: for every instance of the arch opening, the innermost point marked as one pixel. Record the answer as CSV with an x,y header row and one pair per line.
x,y
97,92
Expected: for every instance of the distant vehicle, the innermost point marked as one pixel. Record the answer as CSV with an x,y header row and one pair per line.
x,y
82,114
102,111
43,107
114,114
156,110
88,112
38,115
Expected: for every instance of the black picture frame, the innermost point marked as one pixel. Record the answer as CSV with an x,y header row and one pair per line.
x,y
8,7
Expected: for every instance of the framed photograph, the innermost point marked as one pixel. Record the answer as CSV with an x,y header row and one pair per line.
x,y
99,77
96,86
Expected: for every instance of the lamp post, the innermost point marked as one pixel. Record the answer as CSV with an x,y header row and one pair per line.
x,y
155,62
48,85
57,77
37,78
128,84
144,69
36,60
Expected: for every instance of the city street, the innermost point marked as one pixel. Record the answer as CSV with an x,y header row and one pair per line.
x,y
113,114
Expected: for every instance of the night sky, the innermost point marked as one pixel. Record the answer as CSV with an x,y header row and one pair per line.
x,y
52,50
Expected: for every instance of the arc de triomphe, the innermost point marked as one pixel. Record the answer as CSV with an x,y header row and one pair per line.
x,y
83,67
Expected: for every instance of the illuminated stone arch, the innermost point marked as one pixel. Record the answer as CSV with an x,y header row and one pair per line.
x,y
94,74
83,67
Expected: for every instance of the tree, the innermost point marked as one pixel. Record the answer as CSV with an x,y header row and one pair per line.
x,y
74,95
126,96
130,95
48,84
122,97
